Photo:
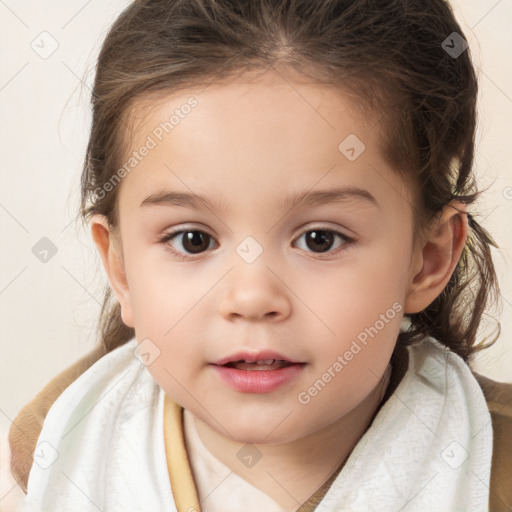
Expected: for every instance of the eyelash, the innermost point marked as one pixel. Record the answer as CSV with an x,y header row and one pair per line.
x,y
169,236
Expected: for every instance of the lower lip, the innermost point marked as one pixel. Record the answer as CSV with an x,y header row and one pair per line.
x,y
258,381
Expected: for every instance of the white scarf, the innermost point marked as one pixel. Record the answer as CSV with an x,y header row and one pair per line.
x,y
429,448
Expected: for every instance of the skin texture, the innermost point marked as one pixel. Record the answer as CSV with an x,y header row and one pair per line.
x,y
249,144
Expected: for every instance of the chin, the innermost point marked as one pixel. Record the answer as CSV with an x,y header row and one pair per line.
x,y
249,431
262,437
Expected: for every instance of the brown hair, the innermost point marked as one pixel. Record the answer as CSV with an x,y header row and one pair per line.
x,y
387,54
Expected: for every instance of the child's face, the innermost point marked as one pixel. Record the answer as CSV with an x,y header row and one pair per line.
x,y
332,304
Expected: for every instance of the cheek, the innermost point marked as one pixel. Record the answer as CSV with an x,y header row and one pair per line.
x,y
347,299
349,369
358,315
160,295
179,359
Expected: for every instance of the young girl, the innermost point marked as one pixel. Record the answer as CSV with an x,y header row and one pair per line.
x,y
280,193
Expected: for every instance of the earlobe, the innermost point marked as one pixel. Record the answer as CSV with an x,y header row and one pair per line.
x,y
110,251
439,256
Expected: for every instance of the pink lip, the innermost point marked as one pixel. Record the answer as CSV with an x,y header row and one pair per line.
x,y
256,381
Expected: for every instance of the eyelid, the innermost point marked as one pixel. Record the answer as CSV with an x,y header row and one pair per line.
x,y
347,242
323,227
168,236
327,226
181,228
184,228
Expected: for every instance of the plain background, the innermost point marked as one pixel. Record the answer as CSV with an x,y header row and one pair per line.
x,y
49,310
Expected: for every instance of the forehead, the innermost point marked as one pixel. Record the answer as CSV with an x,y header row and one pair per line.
x,y
254,135
257,100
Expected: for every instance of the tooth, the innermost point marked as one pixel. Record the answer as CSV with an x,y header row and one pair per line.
x,y
266,361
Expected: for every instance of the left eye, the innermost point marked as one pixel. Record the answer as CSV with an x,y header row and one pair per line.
x,y
192,241
322,240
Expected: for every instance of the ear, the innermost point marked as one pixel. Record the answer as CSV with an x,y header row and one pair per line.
x,y
438,256
108,244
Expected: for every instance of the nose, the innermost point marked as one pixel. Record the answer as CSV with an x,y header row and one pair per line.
x,y
255,293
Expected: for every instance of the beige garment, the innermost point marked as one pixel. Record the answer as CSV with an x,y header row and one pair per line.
x,y
218,487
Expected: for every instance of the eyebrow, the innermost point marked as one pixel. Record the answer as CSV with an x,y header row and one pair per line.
x,y
303,199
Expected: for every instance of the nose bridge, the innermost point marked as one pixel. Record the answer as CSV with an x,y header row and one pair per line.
x,y
253,290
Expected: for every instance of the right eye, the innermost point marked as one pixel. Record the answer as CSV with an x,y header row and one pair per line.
x,y
192,241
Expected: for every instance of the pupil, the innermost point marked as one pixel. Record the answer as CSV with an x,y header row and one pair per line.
x,y
321,240
317,241
194,241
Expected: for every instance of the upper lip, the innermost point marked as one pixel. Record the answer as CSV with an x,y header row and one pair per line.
x,y
262,355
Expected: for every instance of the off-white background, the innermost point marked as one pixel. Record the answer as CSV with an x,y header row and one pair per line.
x,y
49,310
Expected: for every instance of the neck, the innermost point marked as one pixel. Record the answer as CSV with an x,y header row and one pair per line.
x,y
291,472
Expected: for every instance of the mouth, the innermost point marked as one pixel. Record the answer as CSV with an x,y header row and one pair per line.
x,y
261,365
262,372
262,360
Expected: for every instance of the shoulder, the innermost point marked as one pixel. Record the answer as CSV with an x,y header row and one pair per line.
x,y
498,396
26,427
498,399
